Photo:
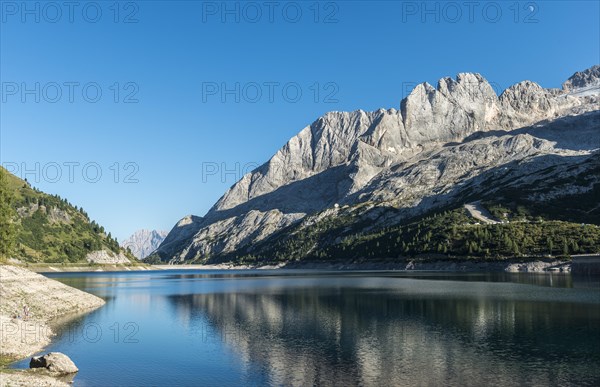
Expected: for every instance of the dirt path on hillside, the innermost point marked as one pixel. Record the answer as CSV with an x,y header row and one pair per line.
x,y
480,213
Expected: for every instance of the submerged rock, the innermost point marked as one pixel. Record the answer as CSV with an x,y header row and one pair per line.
x,y
54,362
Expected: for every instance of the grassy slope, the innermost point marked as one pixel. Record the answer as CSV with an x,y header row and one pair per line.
x,y
44,236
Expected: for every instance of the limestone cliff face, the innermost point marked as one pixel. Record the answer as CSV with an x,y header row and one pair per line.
x,y
435,140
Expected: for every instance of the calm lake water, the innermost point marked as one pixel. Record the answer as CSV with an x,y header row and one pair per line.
x,y
217,328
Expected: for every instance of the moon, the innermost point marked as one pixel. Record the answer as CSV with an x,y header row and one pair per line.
x,y
531,8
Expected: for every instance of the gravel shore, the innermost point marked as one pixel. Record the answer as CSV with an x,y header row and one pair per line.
x,y
29,378
28,303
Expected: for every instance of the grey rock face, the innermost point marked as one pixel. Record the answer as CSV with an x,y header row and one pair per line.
x,y
409,158
55,215
226,235
436,175
452,110
178,237
586,78
106,257
54,362
143,242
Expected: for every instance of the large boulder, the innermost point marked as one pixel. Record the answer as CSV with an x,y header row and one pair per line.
x,y
54,362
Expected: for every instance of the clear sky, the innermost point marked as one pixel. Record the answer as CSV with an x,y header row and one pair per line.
x,y
192,89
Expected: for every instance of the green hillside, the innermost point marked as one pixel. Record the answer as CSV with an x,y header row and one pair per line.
x,y
38,227
450,234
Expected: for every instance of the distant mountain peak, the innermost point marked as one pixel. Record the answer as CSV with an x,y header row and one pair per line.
x,y
143,242
582,79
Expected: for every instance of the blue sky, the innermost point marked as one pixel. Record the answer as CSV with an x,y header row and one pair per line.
x,y
165,119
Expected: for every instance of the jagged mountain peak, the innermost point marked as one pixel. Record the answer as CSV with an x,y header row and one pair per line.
x,y
523,87
345,157
582,79
461,80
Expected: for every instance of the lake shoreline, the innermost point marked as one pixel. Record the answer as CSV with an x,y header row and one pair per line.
x,y
29,304
76,268
221,317
509,265
187,296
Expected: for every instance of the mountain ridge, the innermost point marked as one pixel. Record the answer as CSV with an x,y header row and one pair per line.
x,y
347,157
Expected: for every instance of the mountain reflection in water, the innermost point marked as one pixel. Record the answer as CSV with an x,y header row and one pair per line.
x,y
322,328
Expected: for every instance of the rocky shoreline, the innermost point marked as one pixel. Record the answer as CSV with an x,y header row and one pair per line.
x,y
511,265
29,302
508,265
49,267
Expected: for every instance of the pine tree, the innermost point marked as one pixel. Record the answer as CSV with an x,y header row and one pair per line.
x,y
508,243
575,247
516,250
550,246
565,247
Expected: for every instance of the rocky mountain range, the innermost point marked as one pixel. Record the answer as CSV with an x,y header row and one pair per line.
x,y
143,242
446,144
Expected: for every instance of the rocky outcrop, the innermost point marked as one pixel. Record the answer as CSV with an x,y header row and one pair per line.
x,y
54,214
143,242
106,257
54,362
412,158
